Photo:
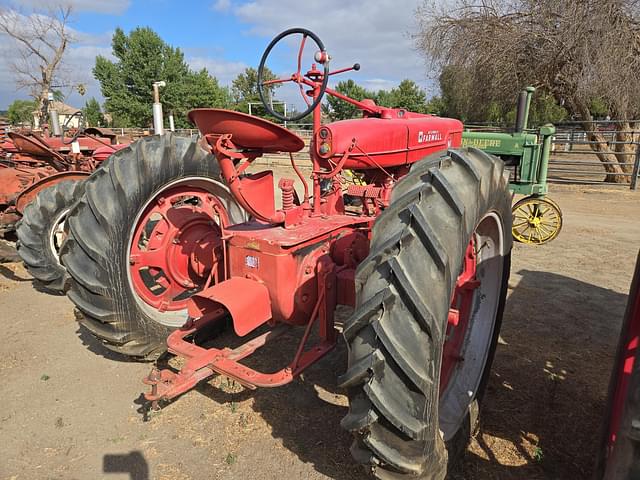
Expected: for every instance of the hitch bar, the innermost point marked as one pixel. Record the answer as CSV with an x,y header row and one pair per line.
x,y
203,363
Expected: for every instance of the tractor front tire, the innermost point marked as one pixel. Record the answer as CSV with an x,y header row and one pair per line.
x,y
40,233
450,215
142,193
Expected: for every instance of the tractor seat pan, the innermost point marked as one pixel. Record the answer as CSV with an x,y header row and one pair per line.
x,y
247,131
33,145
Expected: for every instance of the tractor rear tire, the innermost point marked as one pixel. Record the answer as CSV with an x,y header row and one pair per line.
x,y
404,425
39,233
101,226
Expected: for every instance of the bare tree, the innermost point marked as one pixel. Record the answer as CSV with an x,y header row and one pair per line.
x,y
41,41
576,50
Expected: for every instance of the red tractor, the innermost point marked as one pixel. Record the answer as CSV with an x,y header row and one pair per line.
x,y
40,179
620,448
173,236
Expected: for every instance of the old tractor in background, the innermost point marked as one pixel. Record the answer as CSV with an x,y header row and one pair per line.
x,y
173,237
40,178
536,218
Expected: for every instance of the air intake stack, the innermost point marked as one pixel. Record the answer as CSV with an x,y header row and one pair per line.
x,y
522,112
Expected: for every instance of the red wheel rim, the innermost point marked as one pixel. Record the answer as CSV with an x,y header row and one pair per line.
x,y
460,314
176,247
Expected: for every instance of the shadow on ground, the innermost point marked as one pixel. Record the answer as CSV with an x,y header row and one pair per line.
x,y
10,274
305,414
544,406
542,410
15,271
8,252
96,346
132,463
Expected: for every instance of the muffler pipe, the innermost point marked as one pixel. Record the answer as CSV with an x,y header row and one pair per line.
x,y
522,110
54,122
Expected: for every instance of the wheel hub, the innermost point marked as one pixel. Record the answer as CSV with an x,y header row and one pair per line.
x,y
176,247
459,316
473,316
536,220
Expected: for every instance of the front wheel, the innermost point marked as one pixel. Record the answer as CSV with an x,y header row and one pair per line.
x,y
536,220
430,297
41,233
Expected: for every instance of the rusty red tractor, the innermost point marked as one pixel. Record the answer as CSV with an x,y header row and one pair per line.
x,y
40,179
173,236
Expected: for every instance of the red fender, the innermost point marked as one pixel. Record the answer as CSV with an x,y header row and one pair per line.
x,y
28,195
246,300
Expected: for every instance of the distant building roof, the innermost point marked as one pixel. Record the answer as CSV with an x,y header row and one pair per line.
x,y
61,108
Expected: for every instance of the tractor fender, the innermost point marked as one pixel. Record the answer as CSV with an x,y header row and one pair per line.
x,y
246,300
28,195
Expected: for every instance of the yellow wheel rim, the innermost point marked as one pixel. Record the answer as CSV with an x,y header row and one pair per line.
x,y
536,220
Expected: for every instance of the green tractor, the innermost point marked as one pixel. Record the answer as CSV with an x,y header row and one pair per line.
x,y
536,218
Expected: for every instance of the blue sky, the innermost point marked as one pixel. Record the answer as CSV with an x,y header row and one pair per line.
x,y
225,36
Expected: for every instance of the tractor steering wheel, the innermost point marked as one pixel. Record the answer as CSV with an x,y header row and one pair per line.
x,y
79,130
321,57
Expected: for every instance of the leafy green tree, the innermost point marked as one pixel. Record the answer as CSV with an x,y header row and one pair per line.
x,y
244,89
576,51
21,111
598,108
58,96
338,109
385,98
407,95
201,89
544,109
436,106
461,98
457,93
142,58
93,113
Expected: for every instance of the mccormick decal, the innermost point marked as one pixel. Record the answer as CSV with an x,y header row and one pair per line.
x,y
430,136
481,143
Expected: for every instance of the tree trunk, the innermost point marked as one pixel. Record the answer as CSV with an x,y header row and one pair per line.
x,y
43,97
43,108
600,146
625,152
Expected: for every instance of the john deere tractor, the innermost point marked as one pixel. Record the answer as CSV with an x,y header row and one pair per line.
x,y
536,218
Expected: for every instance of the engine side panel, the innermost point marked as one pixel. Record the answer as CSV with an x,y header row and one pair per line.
x,y
397,139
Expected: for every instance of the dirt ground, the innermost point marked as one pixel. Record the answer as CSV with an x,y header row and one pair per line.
x,y
70,409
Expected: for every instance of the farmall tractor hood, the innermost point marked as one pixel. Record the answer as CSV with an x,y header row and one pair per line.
x,y
395,138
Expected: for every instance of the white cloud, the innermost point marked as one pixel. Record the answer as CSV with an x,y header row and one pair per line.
x,y
98,6
74,69
78,65
375,34
79,60
221,5
225,71
378,83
